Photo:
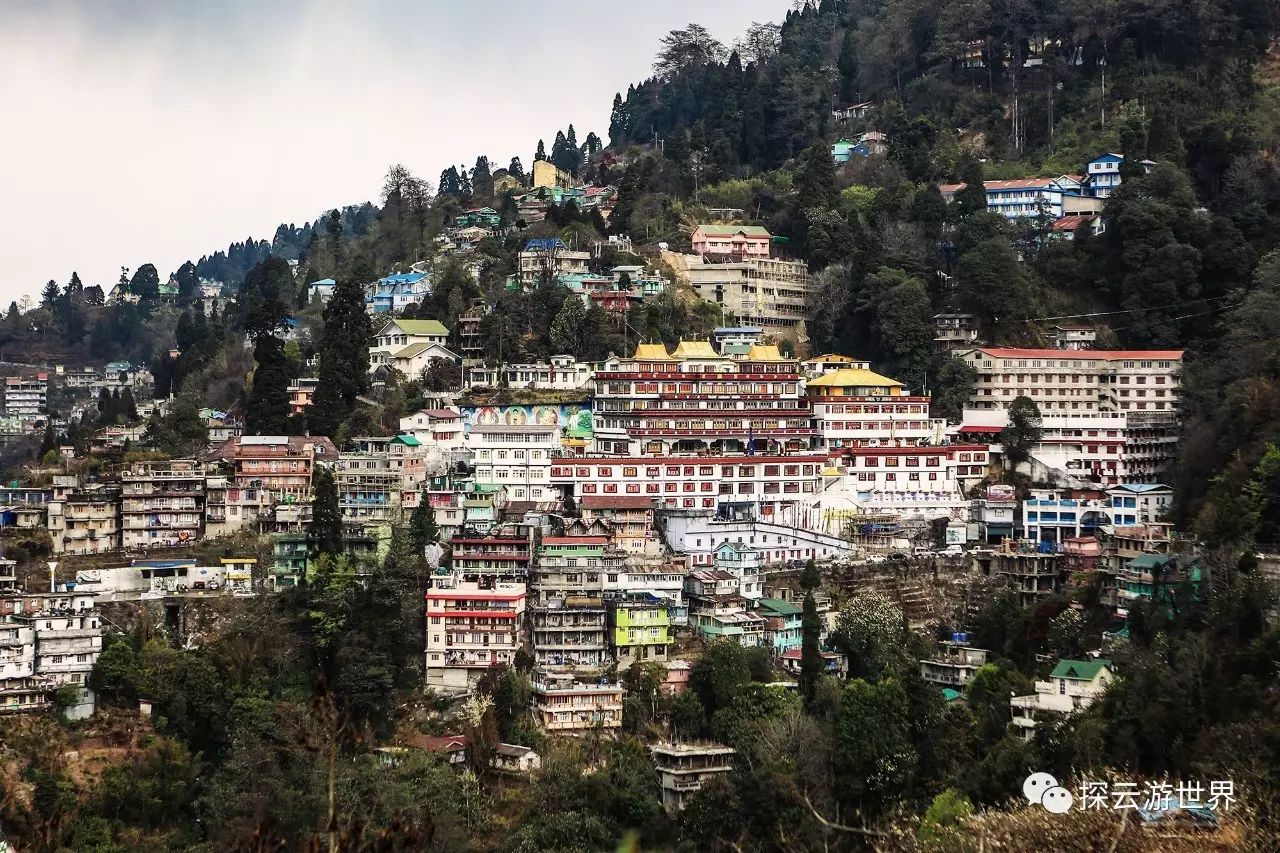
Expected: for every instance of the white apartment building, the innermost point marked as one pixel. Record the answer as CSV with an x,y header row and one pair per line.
x,y
561,373
698,534
564,705
441,428
516,458
20,688
26,397
1089,447
1063,382
162,503
68,637
769,293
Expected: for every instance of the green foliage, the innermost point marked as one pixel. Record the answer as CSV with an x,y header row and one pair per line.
x,y
874,754
324,534
1022,433
945,812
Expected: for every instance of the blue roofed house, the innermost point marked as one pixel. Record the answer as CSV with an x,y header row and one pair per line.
x,y
1102,175
396,292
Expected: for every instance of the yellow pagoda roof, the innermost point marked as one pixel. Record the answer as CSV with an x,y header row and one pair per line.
x,y
651,352
694,349
765,352
831,357
853,377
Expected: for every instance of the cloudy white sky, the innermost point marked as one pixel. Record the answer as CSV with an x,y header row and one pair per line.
x,y
158,130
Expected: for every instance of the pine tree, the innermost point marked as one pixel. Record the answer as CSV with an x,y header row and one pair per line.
x,y
567,328
49,441
811,664
344,351
617,120
482,181
325,532
422,526
267,412
128,406
516,169
815,180
972,197
49,296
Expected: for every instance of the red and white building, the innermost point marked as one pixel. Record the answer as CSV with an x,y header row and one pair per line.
x,y
475,610
694,400
736,485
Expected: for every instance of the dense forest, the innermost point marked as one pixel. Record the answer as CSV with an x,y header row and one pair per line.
x,y
306,684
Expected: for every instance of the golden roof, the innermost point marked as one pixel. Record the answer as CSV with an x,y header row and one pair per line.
x,y
694,349
765,352
831,357
651,352
853,377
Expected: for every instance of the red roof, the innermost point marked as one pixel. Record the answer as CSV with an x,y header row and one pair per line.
x,y
576,540
1094,354
615,502
440,413
1071,223
980,428
444,743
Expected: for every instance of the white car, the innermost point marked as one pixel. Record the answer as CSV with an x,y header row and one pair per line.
x,y
952,550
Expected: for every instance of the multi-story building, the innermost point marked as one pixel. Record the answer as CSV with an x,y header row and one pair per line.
x,y
718,612
683,768
546,259
470,342
20,688
736,486
1076,381
641,627
567,611
955,331
280,465
228,508
1087,448
564,705
732,241
1074,336
1102,175
744,563
697,533
8,575
629,519
68,640
696,401
26,397
560,373
24,507
515,458
397,336
854,407
1050,516
1033,574
440,428
368,488
162,503
84,520
782,625
1072,686
1138,503
1025,198
954,664
1139,385
476,609
301,392
770,293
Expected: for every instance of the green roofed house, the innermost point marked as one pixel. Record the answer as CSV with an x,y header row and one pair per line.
x,y
397,336
782,623
744,241
1072,686
1142,575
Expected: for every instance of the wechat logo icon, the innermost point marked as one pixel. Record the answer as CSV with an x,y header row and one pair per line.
x,y
1043,789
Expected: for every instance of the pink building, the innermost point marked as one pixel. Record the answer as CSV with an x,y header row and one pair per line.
x,y
747,241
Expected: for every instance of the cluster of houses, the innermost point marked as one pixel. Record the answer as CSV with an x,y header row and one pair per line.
x,y
1067,203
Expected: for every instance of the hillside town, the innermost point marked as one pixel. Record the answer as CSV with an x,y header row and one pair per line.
x,y
871,441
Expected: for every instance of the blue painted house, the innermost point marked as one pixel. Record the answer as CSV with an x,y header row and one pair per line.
x,y
396,292
1102,175
782,623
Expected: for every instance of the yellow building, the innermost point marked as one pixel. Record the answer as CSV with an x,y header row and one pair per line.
x,y
546,174
854,382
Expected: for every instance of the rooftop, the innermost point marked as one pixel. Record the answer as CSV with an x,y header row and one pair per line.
x,y
1080,670
731,230
852,377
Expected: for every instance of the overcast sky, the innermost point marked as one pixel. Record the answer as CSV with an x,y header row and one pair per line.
x,y
154,130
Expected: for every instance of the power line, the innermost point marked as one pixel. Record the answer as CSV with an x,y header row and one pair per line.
x,y
1130,310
